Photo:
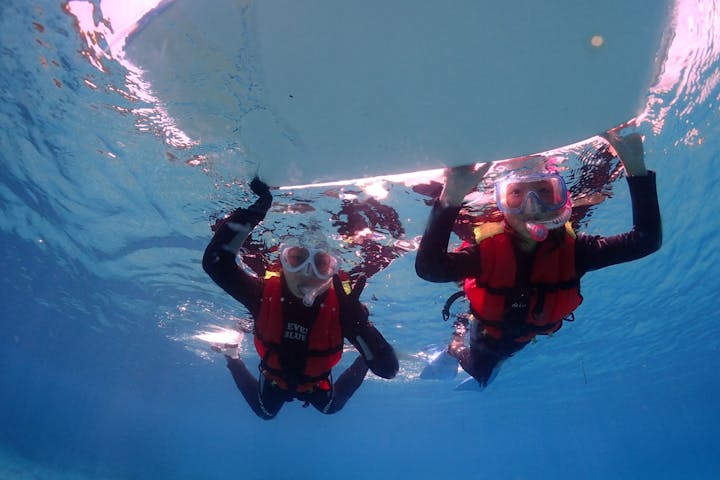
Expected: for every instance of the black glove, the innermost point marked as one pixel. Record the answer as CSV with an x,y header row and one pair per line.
x,y
263,203
353,314
253,214
259,187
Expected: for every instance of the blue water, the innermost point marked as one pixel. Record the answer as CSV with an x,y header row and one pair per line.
x,y
103,225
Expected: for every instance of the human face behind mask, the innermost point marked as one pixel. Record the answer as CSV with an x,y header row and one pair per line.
x,y
533,204
531,195
307,271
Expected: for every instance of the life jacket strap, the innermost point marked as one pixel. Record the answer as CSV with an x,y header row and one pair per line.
x,y
296,380
325,353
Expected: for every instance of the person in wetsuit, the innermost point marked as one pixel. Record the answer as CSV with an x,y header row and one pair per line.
x,y
300,318
522,275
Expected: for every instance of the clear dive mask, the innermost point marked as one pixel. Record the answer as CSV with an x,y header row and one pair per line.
x,y
531,194
309,261
535,195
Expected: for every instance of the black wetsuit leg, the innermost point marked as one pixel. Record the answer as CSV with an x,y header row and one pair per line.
x,y
333,400
263,397
483,357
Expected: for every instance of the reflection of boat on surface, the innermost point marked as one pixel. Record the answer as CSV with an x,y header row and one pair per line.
x,y
316,92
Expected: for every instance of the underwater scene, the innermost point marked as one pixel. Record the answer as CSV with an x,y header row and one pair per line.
x,y
109,325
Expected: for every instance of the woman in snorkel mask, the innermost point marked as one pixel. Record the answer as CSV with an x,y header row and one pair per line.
x,y
521,276
301,315
534,204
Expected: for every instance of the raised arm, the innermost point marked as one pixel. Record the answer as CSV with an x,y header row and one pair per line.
x,y
596,252
433,262
629,149
230,235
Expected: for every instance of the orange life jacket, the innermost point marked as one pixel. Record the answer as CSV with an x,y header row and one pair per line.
x,y
324,340
553,292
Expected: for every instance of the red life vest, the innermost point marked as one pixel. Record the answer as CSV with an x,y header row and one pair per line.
x,y
324,340
553,292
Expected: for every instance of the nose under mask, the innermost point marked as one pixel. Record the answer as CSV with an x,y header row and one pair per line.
x,y
532,205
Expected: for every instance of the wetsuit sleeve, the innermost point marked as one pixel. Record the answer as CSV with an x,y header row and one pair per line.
x,y
433,262
377,352
230,235
594,252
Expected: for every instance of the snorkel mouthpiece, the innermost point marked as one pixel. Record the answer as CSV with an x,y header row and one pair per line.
x,y
538,231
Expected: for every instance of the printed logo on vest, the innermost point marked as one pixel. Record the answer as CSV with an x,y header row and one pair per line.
x,y
295,331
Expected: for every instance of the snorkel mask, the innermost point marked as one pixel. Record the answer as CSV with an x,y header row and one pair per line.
x,y
316,267
534,196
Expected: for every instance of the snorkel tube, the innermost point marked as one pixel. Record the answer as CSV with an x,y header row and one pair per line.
x,y
310,293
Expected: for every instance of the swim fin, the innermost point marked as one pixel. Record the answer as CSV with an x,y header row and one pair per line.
x,y
471,383
442,366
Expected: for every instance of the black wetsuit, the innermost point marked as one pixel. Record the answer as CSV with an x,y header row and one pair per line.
x,y
434,263
264,396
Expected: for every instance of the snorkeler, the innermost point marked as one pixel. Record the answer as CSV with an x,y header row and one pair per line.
x,y
522,275
301,315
